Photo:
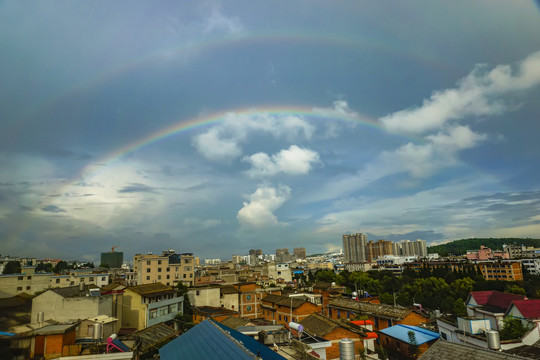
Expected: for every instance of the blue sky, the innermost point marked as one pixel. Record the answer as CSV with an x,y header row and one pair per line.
x,y
215,127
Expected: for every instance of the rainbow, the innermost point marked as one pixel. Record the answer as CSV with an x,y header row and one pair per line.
x,y
217,117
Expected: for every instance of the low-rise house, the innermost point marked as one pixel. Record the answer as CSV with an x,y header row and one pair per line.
x,y
528,311
381,315
283,309
490,305
75,303
149,304
218,314
212,341
108,325
48,342
407,341
445,350
30,282
334,330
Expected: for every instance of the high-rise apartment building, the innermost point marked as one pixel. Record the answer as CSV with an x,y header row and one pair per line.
x,y
354,247
411,248
378,248
299,253
168,268
282,255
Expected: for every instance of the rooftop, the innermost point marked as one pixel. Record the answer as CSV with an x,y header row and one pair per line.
x,y
445,350
151,289
384,310
401,332
320,325
284,301
212,341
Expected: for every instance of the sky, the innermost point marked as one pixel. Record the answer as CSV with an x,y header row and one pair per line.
x,y
215,127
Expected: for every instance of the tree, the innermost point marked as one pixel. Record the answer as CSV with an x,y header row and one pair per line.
x,y
185,319
515,289
60,267
459,308
512,329
325,275
12,267
41,267
413,345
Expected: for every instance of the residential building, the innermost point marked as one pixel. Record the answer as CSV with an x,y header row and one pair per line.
x,y
381,315
76,303
284,309
402,339
532,266
327,291
250,296
47,342
485,253
410,248
299,253
375,249
282,255
446,350
354,247
210,340
202,313
490,305
358,266
527,310
333,331
168,268
503,270
277,271
30,282
149,304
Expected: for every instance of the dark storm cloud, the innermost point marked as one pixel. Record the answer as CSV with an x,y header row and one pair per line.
x,y
137,188
52,208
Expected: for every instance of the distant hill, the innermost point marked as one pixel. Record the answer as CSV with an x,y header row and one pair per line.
x,y
460,247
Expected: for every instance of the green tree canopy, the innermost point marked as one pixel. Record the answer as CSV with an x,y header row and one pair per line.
x,y
12,267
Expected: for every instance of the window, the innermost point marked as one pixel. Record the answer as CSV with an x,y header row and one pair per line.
x,y
148,278
339,314
279,317
148,262
389,323
190,275
91,278
29,278
248,308
163,311
173,308
103,278
58,281
443,335
20,277
184,276
248,297
159,277
168,269
28,288
159,270
147,270
168,276
198,293
159,262
286,319
153,313
19,288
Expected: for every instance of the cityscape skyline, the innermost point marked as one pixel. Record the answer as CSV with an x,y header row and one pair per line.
x,y
218,127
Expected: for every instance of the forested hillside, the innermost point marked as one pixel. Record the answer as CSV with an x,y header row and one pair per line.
x,y
460,247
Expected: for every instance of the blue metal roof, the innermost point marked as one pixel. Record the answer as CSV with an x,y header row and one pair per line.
x,y
209,340
401,332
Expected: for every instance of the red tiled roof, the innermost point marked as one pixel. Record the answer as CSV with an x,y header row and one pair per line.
x,y
495,298
371,335
530,309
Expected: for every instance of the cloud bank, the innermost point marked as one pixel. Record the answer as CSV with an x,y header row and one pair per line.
x,y
258,212
292,161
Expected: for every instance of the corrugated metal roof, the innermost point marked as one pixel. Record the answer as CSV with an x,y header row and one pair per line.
x,y
401,332
211,341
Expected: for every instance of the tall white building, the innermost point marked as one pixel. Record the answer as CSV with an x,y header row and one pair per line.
x,y
354,247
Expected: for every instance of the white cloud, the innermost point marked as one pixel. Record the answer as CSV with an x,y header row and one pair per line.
x,y
478,94
293,161
219,23
216,148
222,142
262,203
